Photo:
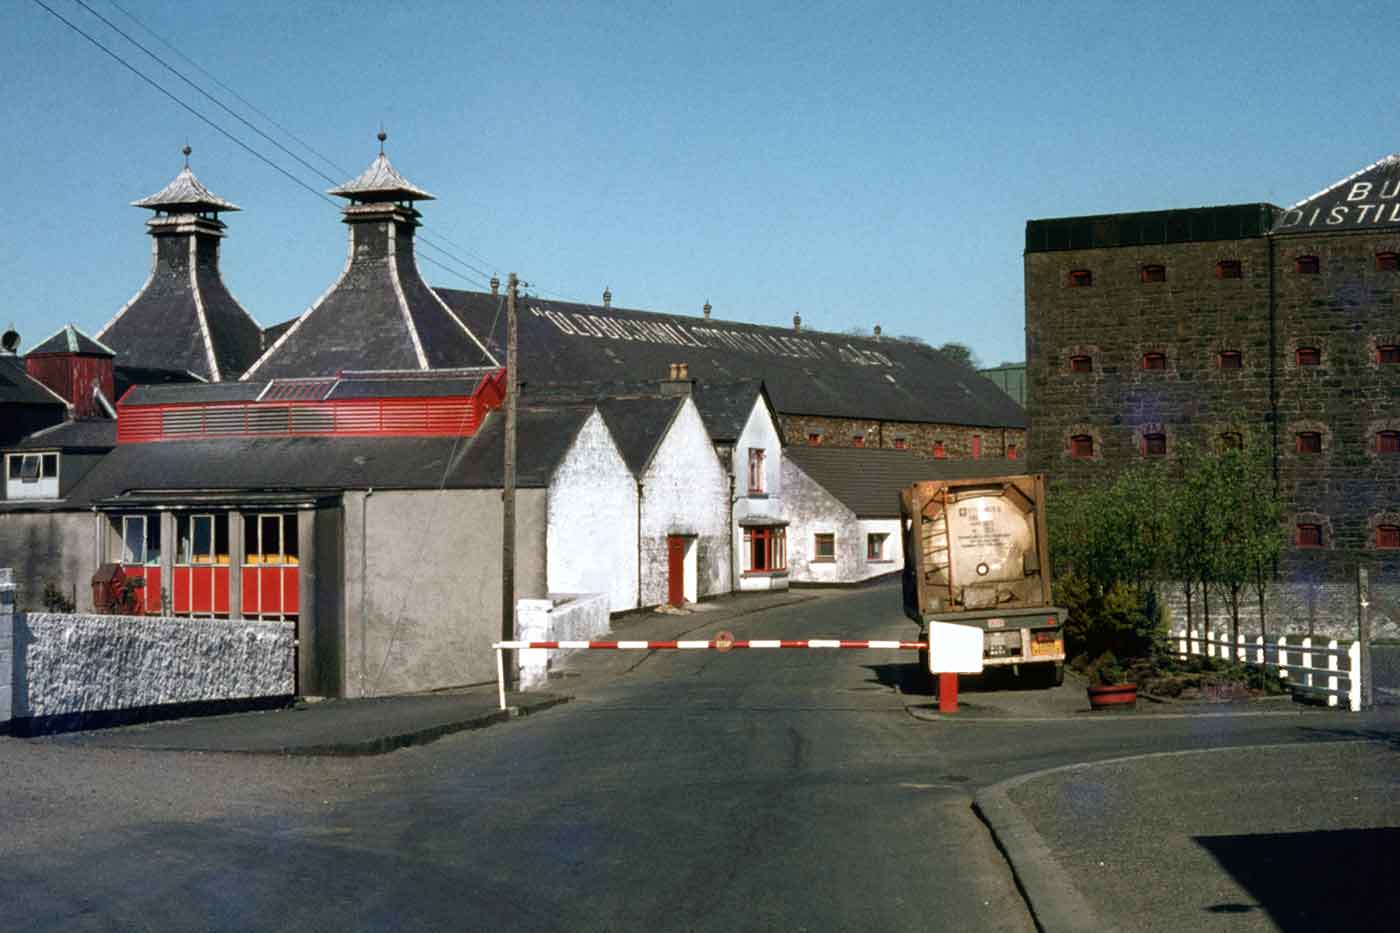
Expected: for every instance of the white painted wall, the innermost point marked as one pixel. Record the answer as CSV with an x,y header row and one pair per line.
x,y
569,617
685,490
591,536
811,511
759,431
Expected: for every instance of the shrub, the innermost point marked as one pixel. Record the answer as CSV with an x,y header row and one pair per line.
x,y
1120,620
55,600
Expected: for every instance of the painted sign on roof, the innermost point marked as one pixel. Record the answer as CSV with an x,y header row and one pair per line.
x,y
1370,198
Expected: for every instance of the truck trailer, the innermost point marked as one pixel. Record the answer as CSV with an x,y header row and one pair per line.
x,y
976,553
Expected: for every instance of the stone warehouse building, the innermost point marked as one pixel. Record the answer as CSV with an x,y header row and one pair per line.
x,y
1144,330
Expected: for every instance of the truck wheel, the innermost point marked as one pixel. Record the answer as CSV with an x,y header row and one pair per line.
x,y
1057,676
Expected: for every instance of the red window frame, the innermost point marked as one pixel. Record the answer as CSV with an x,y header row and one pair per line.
x,y
1308,442
1387,261
1154,361
1229,269
1229,359
1307,356
976,447
1388,442
766,546
818,539
1081,364
857,440
814,439
1388,536
1388,353
901,444
1010,451
939,453
1307,265
1307,535
755,469
1154,445
1080,278
1153,272
1081,446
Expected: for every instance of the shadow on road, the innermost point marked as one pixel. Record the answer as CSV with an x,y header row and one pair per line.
x,y
912,679
1334,879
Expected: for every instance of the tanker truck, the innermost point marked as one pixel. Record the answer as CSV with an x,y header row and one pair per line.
x,y
976,553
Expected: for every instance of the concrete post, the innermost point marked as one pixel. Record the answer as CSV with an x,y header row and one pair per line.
x,y
168,545
307,682
1363,639
7,647
236,557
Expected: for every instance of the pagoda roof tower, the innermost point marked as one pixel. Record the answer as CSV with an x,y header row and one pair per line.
x,y
379,314
184,318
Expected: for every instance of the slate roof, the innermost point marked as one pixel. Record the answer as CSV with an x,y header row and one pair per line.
x,y
725,407
87,434
381,182
1365,199
638,426
68,339
17,387
185,193
543,437
806,372
867,481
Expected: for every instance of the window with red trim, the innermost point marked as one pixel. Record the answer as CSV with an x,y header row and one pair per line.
x,y
1081,364
938,452
814,440
1388,353
857,440
1229,269
1154,445
1153,273
976,446
1010,451
1309,442
1081,447
824,546
1308,356
1307,265
1230,359
901,444
766,549
1081,278
1388,262
1308,535
755,469
1388,536
1388,442
1154,361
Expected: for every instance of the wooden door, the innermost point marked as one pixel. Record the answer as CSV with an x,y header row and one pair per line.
x,y
675,570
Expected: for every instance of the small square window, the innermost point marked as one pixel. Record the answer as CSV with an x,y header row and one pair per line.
x,y
1154,273
1231,440
1388,536
1081,447
901,444
1081,278
1154,445
1010,451
976,446
1388,262
1307,265
1230,359
938,452
756,470
1307,535
1154,361
1229,269
1309,442
1388,353
824,546
814,440
1081,364
875,545
857,440
1308,356
1388,442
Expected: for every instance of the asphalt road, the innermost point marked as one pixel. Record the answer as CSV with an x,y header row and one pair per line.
x,y
762,790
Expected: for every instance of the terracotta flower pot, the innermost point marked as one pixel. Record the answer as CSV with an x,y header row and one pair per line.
x,y
1114,696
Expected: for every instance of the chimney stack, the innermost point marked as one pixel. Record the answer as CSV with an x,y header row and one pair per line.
x,y
877,331
797,322
706,309
495,286
607,297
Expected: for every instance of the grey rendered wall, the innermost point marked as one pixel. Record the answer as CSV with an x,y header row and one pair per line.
x,y
811,511
49,546
423,586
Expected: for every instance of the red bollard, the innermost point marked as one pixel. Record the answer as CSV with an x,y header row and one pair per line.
x,y
947,693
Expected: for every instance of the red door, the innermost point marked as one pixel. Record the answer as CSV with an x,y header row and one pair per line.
x,y
675,570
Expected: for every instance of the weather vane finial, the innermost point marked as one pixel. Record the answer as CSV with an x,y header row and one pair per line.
x,y
187,150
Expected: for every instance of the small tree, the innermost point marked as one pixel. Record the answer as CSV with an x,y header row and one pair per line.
x,y
961,354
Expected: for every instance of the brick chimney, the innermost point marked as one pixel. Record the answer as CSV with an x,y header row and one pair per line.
x,y
679,381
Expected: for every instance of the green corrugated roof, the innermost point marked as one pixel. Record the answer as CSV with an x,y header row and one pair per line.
x,y
1145,228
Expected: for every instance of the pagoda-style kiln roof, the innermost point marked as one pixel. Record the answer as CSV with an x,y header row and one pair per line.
x,y
69,339
381,182
185,194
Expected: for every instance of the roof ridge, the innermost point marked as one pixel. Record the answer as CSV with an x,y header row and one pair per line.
x,y
1393,157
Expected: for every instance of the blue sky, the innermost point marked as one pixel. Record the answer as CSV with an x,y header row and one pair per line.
x,y
855,162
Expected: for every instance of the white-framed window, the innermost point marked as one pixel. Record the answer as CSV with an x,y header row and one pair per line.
x,y
31,475
140,540
202,538
756,470
877,545
271,538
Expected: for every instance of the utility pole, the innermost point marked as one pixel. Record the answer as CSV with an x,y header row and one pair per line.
x,y
508,494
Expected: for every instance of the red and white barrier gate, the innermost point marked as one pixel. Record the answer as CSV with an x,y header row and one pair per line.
x,y
726,642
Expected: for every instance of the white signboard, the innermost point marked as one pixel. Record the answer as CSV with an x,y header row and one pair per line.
x,y
954,649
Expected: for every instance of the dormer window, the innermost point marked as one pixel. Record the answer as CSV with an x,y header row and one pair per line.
x,y
1230,359
1308,356
1229,269
31,476
1388,262
1154,361
1307,265
1153,273
1081,278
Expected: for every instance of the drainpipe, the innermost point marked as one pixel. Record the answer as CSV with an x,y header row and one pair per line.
x,y
639,544
364,585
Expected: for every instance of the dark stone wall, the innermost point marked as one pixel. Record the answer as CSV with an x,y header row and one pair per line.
x,y
918,437
1345,311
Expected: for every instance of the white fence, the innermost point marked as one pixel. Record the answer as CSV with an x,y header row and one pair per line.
x,y
1294,662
